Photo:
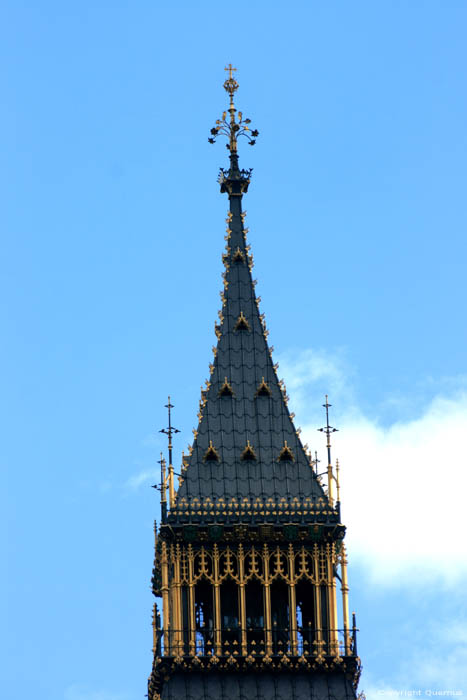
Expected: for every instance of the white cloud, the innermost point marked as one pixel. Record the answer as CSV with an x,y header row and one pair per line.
x,y
445,663
402,485
436,665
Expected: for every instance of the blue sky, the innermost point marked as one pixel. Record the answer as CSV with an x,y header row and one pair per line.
x,y
112,234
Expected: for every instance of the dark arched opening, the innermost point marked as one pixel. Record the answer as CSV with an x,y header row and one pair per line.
x,y
306,619
254,617
229,616
280,617
323,592
204,617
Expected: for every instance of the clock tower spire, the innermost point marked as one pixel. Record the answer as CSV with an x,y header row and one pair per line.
x,y
249,552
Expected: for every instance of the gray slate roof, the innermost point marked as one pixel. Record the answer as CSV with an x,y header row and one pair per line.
x,y
264,686
230,422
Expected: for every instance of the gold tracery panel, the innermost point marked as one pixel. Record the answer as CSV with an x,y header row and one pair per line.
x,y
201,616
242,564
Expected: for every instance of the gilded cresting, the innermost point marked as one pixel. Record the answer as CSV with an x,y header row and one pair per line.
x,y
250,551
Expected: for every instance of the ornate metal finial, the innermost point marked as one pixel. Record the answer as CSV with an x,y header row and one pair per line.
x,y
315,462
327,430
169,431
163,488
233,126
338,486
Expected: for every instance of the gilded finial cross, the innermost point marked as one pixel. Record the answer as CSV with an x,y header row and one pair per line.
x,y
231,86
230,68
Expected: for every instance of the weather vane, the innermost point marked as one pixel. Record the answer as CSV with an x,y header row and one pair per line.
x,y
233,126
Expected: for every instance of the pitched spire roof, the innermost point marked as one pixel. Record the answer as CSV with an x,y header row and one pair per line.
x,y
246,449
253,411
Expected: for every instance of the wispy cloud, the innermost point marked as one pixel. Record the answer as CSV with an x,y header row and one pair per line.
x,y
402,484
145,476
318,371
